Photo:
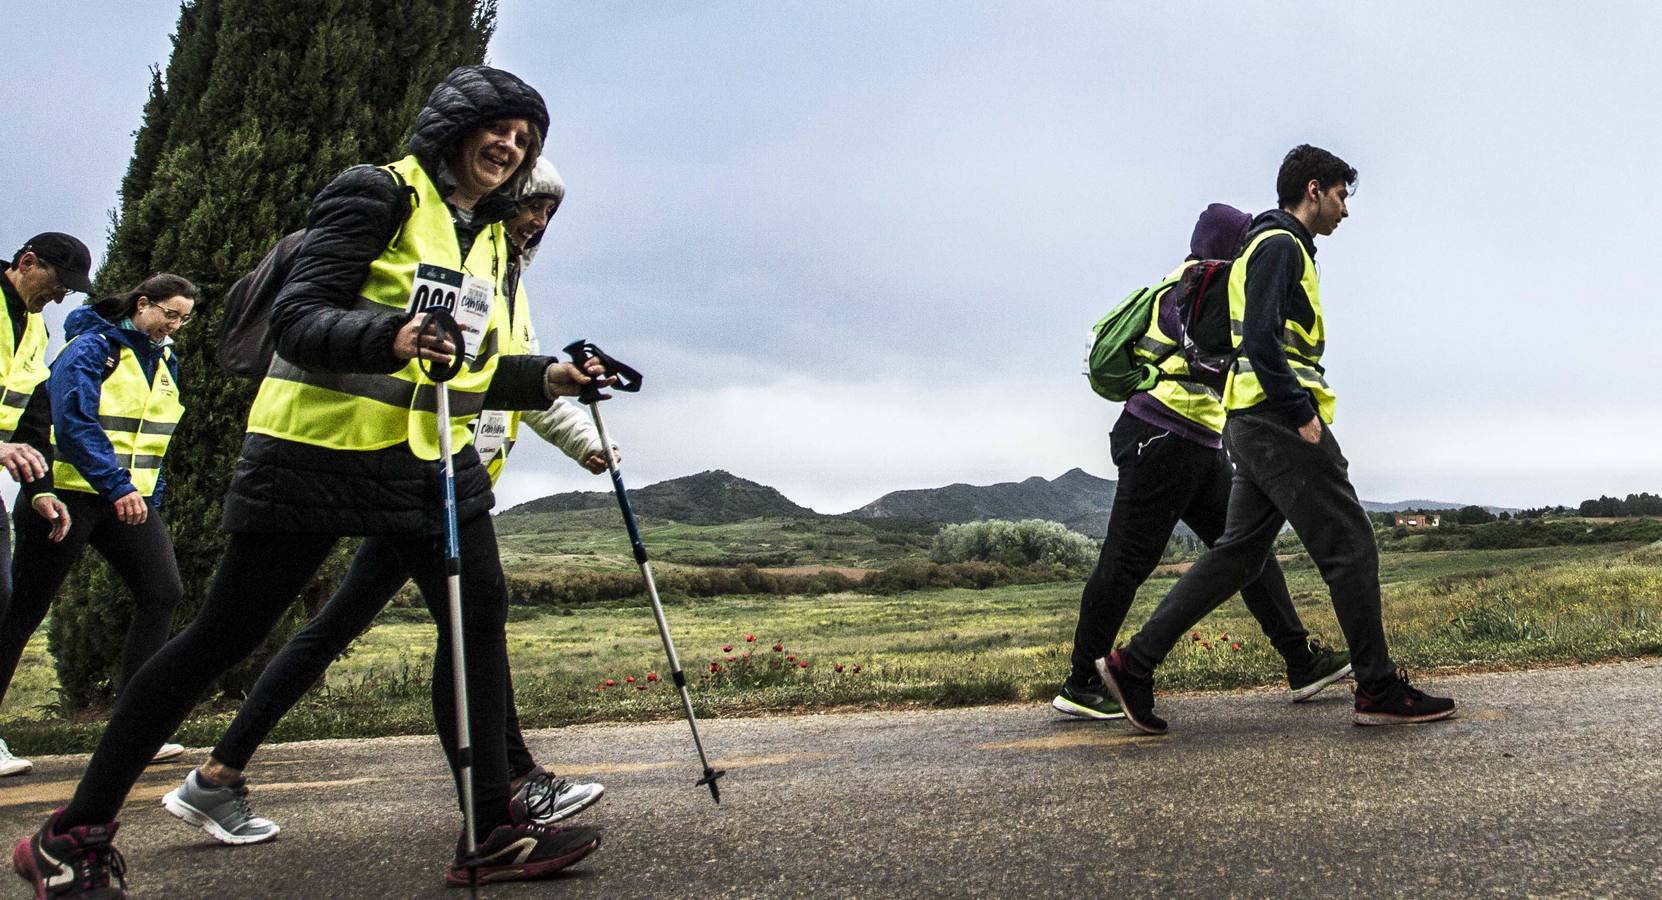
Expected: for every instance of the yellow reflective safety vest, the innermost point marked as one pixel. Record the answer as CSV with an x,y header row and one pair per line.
x,y
1303,347
497,430
138,415
1199,403
364,412
22,368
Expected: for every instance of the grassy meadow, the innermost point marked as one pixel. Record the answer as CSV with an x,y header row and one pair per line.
x,y
1445,610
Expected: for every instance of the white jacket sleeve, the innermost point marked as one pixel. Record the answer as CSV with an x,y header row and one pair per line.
x,y
566,426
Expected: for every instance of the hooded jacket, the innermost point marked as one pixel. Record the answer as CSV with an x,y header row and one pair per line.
x,y
77,384
284,485
1271,300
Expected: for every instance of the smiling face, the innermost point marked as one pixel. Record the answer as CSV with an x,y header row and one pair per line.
x,y
36,282
489,156
532,218
160,318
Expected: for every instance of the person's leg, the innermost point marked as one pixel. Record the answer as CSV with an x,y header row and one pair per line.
x,y
1310,483
39,569
520,761
1235,559
142,555
258,578
376,574
1266,596
1155,481
484,644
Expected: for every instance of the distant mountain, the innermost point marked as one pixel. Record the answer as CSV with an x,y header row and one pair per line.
x,y
1075,498
708,498
1400,505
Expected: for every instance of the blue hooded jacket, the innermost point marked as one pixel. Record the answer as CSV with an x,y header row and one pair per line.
x,y
75,387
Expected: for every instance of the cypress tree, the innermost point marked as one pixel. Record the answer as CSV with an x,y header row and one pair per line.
x,y
263,102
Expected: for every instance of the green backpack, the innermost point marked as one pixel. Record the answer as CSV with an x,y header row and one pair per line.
x,y
1114,370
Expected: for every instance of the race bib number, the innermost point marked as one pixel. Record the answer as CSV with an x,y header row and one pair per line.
x,y
466,297
490,434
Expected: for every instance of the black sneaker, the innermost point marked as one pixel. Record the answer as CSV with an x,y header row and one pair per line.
x,y
76,864
1400,704
522,850
1090,701
1134,692
1326,666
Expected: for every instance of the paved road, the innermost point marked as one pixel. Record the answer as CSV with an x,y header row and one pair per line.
x,y
1547,785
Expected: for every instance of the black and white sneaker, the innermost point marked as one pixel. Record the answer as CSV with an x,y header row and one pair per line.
x,y
1088,701
548,799
1325,667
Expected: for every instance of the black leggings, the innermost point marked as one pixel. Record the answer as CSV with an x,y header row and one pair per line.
x,y
259,577
376,574
141,554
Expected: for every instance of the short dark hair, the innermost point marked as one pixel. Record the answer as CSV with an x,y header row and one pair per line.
x,y
159,286
1304,164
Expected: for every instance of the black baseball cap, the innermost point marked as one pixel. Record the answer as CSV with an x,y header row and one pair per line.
x,y
66,255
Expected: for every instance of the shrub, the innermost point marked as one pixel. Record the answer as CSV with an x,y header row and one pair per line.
x,y
1024,543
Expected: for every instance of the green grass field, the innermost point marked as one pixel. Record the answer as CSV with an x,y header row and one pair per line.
x,y
1444,610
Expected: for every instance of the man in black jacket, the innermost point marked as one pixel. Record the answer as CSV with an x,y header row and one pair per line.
x,y
1288,465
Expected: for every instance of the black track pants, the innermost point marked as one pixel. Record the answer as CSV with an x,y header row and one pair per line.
x,y
1163,479
376,574
259,577
142,555
1281,478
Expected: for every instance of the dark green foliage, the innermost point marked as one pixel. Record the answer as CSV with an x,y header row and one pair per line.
x,y
708,498
1644,504
261,105
1473,515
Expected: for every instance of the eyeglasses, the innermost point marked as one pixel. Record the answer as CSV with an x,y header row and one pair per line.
x,y
172,315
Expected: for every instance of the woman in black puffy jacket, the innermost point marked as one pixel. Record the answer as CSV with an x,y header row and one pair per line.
x,y
328,455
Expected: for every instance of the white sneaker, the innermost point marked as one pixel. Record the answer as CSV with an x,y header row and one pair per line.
x,y
11,765
167,751
546,799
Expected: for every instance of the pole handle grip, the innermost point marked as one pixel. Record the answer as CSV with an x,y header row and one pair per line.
x,y
628,377
441,321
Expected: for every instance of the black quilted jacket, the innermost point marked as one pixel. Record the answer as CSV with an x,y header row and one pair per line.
x,y
282,486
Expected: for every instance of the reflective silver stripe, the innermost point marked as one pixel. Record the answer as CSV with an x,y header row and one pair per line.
x,y
5,434
507,448
1291,338
1195,387
1310,375
119,423
462,403
1154,345
14,399
158,427
380,388
145,462
1237,328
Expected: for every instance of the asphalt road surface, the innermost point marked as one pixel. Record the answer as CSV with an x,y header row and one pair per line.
x,y
1549,783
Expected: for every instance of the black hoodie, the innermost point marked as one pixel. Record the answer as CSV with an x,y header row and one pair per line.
x,y
283,485
1272,298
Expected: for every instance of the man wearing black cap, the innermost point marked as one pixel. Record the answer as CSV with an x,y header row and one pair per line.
x,y
49,266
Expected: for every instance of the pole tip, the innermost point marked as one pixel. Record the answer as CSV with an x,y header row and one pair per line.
x,y
709,780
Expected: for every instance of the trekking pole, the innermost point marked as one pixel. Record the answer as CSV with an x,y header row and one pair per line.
x,y
447,327
629,381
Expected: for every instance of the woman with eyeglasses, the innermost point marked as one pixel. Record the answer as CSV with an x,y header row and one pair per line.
x,y
114,392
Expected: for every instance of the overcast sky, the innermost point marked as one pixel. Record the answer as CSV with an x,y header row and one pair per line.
x,y
857,247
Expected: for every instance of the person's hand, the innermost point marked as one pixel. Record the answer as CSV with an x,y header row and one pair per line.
x,y
596,462
23,462
566,380
131,509
412,342
52,510
1311,430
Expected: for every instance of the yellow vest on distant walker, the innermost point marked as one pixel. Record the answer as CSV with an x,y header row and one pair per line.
x,y
521,341
1192,400
22,368
138,415
363,412
1303,348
